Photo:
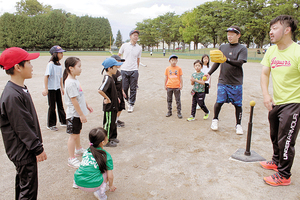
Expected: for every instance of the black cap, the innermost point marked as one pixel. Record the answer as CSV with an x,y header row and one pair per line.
x,y
118,58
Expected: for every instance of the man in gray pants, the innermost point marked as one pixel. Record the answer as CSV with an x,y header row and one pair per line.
x,y
132,54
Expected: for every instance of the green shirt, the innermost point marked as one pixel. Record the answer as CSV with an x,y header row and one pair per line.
x,y
197,86
285,70
88,174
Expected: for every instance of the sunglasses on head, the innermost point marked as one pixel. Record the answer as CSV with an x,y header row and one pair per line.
x,y
234,30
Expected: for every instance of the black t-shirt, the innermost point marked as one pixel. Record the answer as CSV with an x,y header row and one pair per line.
x,y
109,88
118,82
229,74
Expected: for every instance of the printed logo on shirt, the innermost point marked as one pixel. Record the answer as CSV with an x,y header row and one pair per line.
x,y
279,63
175,73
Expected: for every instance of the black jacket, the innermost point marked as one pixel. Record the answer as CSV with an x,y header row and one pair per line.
x,y
19,125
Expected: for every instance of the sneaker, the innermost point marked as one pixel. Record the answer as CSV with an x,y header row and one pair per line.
x,y
214,125
63,125
206,115
79,152
52,128
130,109
74,185
179,115
277,180
120,124
239,129
191,118
269,165
115,140
169,114
73,162
111,144
100,197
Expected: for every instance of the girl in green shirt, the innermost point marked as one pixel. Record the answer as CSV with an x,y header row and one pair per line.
x,y
96,166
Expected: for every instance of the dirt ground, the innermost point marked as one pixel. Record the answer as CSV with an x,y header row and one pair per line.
x,y
159,157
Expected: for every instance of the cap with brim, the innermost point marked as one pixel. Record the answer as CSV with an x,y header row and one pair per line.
x,y
173,56
134,31
233,30
118,58
14,55
56,49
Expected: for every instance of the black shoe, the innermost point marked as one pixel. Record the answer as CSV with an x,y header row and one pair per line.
x,y
115,140
120,124
111,144
169,114
179,115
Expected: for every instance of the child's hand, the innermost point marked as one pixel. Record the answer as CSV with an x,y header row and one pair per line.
x,y
112,188
106,101
45,92
89,108
192,79
124,95
41,157
83,119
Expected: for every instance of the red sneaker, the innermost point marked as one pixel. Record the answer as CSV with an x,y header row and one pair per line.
x,y
269,165
277,180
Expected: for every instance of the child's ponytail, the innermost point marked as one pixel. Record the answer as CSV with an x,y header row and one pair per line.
x,y
96,136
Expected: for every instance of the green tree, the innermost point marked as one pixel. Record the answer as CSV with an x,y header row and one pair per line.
x,y
31,8
119,39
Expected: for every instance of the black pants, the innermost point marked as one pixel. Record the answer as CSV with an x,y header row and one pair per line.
x,y
54,97
130,80
284,127
26,181
238,112
198,98
176,92
109,124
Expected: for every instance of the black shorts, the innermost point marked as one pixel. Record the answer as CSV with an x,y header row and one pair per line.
x,y
74,125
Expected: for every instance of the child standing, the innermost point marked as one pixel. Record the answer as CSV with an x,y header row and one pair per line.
x,y
118,82
173,84
205,69
96,166
77,109
19,122
198,91
110,103
54,88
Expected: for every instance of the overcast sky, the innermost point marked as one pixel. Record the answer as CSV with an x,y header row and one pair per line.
x,y
122,14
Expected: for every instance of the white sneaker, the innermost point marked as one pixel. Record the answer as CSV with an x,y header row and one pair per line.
x,y
214,125
74,185
239,129
73,162
100,197
130,109
79,152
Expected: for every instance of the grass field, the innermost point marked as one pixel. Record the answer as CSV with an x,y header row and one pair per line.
x,y
194,54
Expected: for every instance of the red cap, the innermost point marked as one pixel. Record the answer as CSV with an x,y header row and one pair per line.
x,y
14,55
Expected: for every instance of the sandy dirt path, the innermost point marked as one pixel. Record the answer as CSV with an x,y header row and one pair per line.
x,y
159,157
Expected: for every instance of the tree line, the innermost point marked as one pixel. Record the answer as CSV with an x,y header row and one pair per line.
x,y
207,23
39,28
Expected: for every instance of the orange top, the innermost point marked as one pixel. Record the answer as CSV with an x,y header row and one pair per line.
x,y
173,75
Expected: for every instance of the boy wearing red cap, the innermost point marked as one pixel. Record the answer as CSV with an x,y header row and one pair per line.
x,y
19,122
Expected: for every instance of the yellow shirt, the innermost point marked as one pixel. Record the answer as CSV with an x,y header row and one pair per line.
x,y
285,71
